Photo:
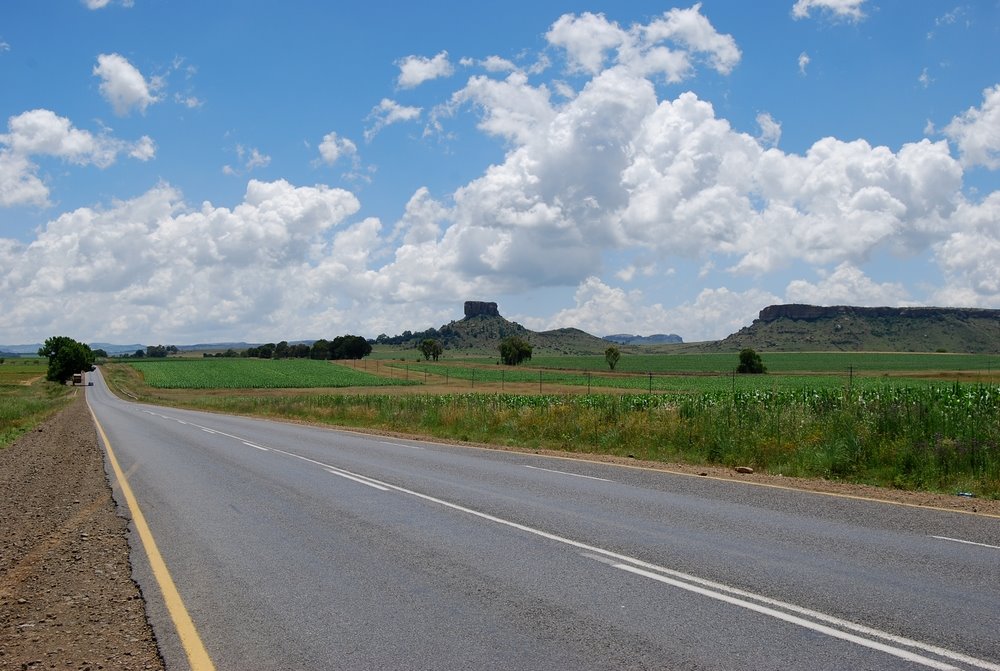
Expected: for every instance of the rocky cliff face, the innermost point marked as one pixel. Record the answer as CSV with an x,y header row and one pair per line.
x,y
481,309
880,329
814,312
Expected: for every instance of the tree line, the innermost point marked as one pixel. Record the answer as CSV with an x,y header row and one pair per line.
x,y
341,347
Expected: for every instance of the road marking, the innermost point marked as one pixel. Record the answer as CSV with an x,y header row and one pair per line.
x,y
412,447
718,589
361,479
186,631
575,475
792,619
959,540
689,582
263,449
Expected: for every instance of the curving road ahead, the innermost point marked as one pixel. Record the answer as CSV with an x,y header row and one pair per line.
x,y
295,547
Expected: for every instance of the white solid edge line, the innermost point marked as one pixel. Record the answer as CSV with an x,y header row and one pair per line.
x,y
373,485
859,628
411,447
575,475
792,619
959,540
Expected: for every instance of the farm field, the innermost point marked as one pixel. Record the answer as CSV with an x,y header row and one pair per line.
x,y
212,373
913,422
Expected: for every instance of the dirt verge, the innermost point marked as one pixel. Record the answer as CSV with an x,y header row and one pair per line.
x,y
67,599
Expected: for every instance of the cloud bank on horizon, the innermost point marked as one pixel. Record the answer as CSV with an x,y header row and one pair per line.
x,y
618,176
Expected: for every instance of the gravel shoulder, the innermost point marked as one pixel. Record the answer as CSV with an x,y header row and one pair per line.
x,y
67,598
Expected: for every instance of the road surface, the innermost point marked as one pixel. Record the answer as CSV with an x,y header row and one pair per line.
x,y
295,547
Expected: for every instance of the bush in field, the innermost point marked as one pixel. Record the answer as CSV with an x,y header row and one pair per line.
x,y
750,362
431,348
611,355
514,350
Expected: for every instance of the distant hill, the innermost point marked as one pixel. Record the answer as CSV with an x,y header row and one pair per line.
x,y
483,328
655,339
861,329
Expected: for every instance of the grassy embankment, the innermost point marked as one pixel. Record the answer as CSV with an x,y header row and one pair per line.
x,y
893,420
26,399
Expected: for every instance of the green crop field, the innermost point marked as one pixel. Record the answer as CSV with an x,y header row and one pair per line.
x,y
783,362
254,374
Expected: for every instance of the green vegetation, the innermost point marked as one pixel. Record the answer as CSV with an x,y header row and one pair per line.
x,y
612,355
750,363
514,349
943,437
225,373
25,398
67,357
893,420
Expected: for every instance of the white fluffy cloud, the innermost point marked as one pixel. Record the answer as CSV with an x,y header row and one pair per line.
x,y
665,46
386,113
847,10
602,310
42,133
976,132
333,147
415,70
846,285
123,85
601,173
173,269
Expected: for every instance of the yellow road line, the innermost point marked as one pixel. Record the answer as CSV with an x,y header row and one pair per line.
x,y
197,655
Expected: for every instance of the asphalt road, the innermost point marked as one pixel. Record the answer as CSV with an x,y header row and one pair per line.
x,y
295,547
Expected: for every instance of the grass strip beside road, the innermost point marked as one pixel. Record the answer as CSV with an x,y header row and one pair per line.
x,y
26,399
933,438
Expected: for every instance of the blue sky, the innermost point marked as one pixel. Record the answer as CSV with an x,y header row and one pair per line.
x,y
180,172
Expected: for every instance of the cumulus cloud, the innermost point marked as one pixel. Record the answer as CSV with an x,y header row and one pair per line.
x,y
415,70
386,113
770,130
602,309
803,63
334,147
123,85
250,158
968,257
665,46
40,133
845,10
846,285
976,132
101,4
267,265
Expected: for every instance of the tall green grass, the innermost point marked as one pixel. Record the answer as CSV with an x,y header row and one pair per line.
x,y
928,437
22,407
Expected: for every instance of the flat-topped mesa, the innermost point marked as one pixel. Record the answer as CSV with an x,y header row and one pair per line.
x,y
480,308
813,312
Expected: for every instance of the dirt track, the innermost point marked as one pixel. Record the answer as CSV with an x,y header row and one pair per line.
x,y
67,599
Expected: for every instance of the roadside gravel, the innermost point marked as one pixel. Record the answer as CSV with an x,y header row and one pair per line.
x,y
67,599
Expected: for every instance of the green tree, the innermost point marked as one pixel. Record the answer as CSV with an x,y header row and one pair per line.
x,y
431,348
514,350
611,355
750,362
320,349
349,347
66,357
